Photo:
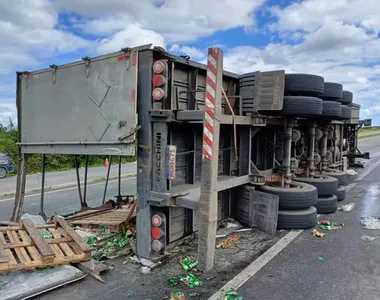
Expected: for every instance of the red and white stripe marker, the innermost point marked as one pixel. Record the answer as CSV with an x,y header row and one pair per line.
x,y
209,120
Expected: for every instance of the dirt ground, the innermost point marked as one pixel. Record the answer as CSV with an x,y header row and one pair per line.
x,y
126,281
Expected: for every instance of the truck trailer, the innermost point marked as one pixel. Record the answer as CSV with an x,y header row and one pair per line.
x,y
267,148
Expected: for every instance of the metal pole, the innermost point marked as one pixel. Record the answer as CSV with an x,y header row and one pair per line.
x,y
85,184
287,151
119,179
107,179
20,188
42,213
78,179
208,203
311,170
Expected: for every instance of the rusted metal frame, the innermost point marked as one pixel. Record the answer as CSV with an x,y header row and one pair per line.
x,y
42,213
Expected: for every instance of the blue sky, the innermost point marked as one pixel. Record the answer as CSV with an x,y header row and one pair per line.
x,y
336,39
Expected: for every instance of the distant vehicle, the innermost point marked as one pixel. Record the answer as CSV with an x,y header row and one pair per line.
x,y
6,165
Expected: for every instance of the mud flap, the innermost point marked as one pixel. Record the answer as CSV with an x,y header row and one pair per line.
x,y
257,209
264,211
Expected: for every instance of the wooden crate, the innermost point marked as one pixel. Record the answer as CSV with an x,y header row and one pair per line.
x,y
112,219
23,247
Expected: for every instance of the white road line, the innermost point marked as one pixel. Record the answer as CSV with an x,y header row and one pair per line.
x,y
67,189
268,255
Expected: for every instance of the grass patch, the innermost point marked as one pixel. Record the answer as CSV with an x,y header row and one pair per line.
x,y
369,136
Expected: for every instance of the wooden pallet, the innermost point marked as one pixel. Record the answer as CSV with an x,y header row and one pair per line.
x,y
23,247
112,219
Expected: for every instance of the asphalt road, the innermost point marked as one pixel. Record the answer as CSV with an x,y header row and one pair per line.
x,y
371,145
349,269
33,181
67,200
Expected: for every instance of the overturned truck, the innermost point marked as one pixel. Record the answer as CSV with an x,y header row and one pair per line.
x,y
282,141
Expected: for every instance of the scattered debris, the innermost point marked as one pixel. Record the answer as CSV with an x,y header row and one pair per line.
x,y
229,223
145,270
129,294
232,295
107,245
327,225
43,269
229,242
347,207
370,222
94,268
192,295
361,193
209,278
317,233
351,172
188,263
368,238
191,281
35,219
234,231
178,296
174,281
320,258
112,219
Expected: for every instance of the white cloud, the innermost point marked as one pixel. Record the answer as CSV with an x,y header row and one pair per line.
x,y
28,30
7,110
131,36
176,20
194,53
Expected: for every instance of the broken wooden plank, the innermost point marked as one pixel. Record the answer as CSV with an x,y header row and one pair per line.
x,y
19,227
76,238
4,260
8,223
43,247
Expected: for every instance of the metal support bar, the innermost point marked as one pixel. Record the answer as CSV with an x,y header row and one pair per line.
x,y
84,204
192,198
119,178
20,187
78,179
311,169
324,148
208,204
107,179
74,143
287,151
42,213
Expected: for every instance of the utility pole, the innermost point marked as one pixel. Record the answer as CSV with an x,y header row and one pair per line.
x,y
208,205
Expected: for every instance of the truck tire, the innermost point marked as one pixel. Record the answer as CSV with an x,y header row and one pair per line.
x,y
341,194
332,91
300,195
304,84
297,219
325,185
341,176
327,204
346,112
347,97
3,172
298,106
332,109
